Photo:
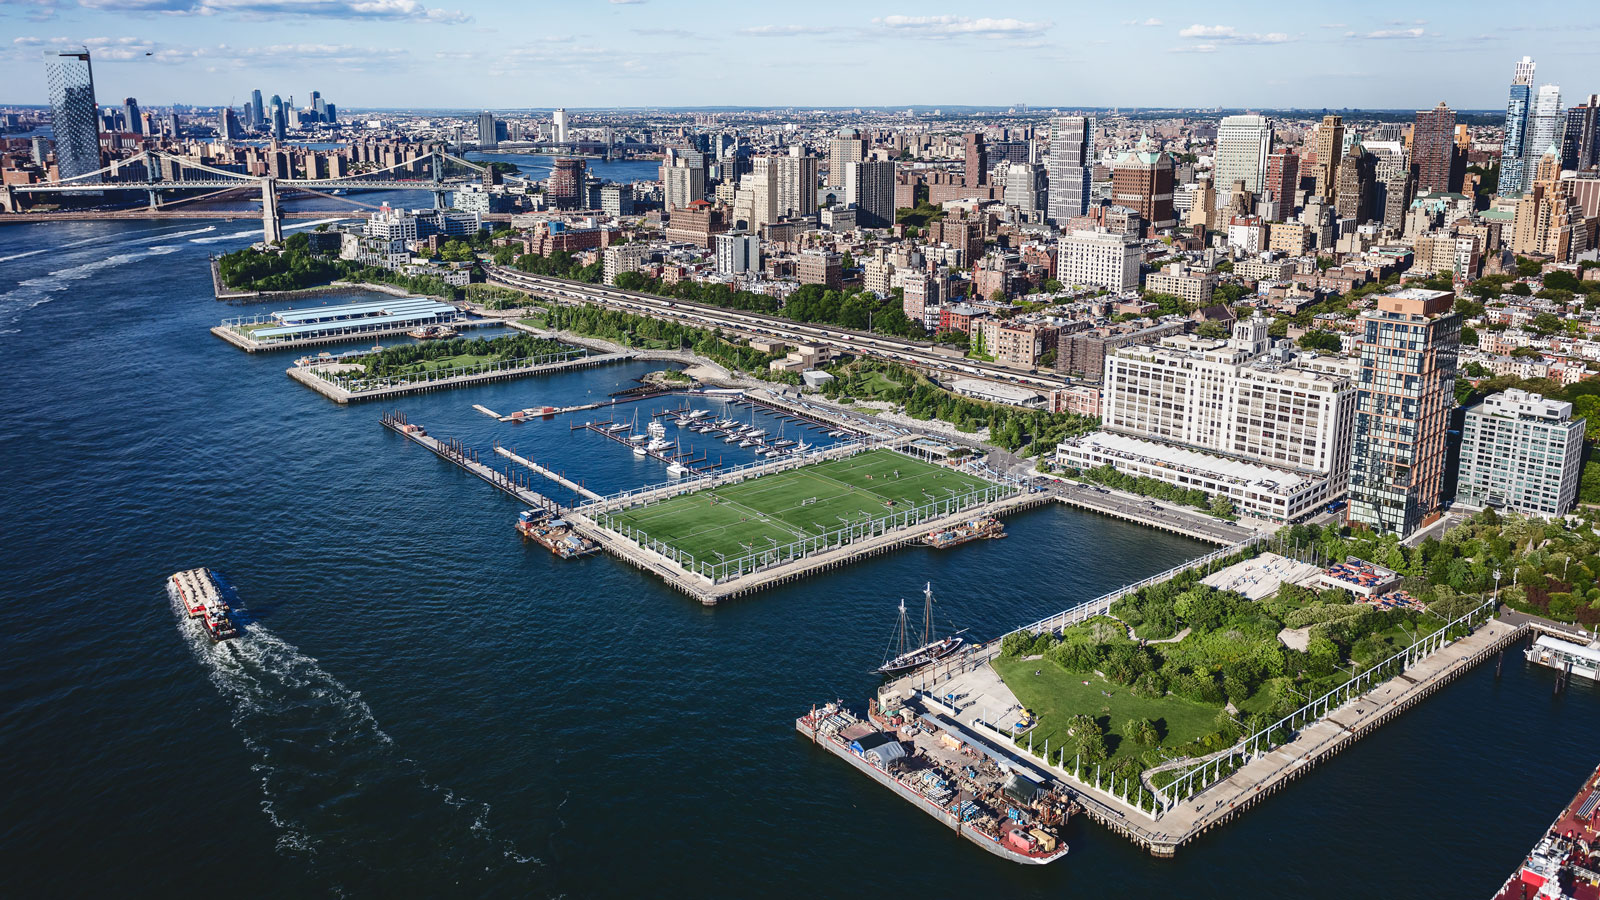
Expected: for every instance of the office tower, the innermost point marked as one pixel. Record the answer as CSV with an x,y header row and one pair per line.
x,y
1141,180
280,119
1068,166
488,138
174,127
565,187
1283,181
73,113
1513,149
1026,189
1549,218
131,120
682,183
1433,149
1330,144
1409,348
756,201
330,113
1522,451
317,107
869,187
1243,145
227,125
795,185
257,111
1545,124
560,126
1580,144
738,253
976,159
1099,259
1357,173
843,149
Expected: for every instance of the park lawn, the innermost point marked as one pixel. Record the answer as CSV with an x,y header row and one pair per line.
x,y
1056,695
784,507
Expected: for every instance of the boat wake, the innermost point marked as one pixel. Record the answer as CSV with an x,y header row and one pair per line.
x,y
35,292
256,232
343,798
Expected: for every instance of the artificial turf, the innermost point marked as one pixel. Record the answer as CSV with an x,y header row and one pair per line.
x,y
783,507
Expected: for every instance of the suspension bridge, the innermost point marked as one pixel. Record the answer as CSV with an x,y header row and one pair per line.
x,y
211,183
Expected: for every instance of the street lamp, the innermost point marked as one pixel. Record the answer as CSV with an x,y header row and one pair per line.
x,y
1497,585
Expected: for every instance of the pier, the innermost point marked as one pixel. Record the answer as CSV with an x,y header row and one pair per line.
x,y
314,379
232,335
455,452
557,477
682,458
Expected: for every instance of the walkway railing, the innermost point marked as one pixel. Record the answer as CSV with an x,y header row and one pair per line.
x,y
356,383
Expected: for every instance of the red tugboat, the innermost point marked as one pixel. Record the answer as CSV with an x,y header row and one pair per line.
x,y
1563,864
201,597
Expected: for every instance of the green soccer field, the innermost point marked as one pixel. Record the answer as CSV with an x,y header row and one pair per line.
x,y
784,507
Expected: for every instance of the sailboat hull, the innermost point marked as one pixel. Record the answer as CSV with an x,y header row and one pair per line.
x,y
923,655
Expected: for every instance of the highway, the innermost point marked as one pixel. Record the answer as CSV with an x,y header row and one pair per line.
x,y
912,353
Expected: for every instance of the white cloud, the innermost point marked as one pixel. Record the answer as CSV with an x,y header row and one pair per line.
x,y
1232,35
397,10
784,30
1151,22
954,26
1388,34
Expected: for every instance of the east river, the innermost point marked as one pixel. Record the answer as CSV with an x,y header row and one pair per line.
x,y
427,706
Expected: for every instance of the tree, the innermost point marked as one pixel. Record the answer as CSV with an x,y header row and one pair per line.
x,y
1546,323
1143,732
1052,285
1320,340
1527,268
847,262
1222,507
1469,335
999,296
1212,330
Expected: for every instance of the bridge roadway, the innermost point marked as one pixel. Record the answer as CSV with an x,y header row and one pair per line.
x,y
95,215
914,353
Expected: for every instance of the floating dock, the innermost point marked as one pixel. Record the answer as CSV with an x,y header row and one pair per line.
x,y
455,452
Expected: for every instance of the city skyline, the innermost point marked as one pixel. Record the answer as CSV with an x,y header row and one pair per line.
x,y
657,54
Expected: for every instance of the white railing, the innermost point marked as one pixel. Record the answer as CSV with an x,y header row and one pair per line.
x,y
690,484
358,383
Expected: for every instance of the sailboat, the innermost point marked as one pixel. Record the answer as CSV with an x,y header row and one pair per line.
x,y
932,648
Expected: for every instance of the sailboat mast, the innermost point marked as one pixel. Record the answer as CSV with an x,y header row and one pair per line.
x,y
927,614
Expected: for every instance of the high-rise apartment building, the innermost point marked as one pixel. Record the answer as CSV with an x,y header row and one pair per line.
x,y
280,119
132,121
844,148
565,189
1283,181
1068,166
1330,145
1243,145
1099,259
1392,182
1580,140
1522,451
976,159
1027,189
73,113
561,127
1141,180
227,125
488,138
869,187
1546,122
682,185
1433,149
796,184
738,253
1514,146
1409,347
1356,180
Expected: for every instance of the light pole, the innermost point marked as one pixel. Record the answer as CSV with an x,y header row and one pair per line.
x,y
1497,585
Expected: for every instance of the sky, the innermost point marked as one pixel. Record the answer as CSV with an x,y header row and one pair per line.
x,y
503,54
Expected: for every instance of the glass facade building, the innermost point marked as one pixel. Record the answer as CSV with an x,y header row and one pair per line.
x,y
1068,166
75,117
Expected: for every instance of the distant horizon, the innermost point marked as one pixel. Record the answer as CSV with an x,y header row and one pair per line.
x,y
945,109
831,54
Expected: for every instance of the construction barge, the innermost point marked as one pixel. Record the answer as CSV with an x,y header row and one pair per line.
x,y
984,528
1563,865
554,534
950,775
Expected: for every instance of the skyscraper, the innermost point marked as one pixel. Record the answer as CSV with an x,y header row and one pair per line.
x,y
1433,149
280,118
1243,145
1545,124
1283,181
318,107
564,190
227,125
560,126
1409,348
1356,177
869,187
1514,149
74,115
844,148
1330,145
258,111
976,158
795,184
1580,143
1141,180
1068,166
131,120
487,138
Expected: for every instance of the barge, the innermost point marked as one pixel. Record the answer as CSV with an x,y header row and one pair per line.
x,y
556,535
987,527
1563,865
955,780
200,596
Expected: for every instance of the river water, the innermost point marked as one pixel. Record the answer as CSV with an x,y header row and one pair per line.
x,y
427,706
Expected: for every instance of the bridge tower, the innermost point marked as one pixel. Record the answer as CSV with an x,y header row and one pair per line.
x,y
271,225
438,180
152,170
8,199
